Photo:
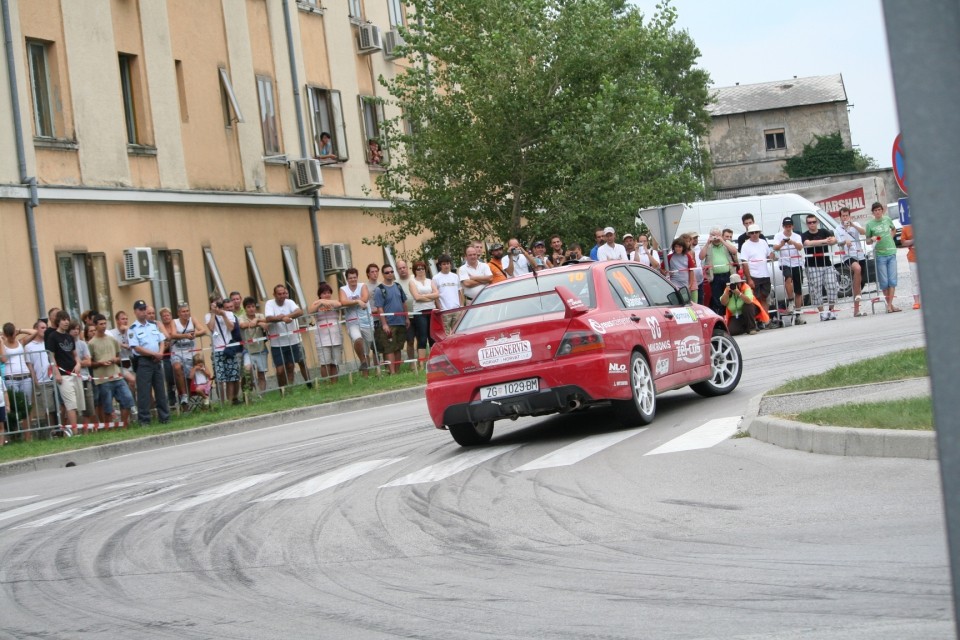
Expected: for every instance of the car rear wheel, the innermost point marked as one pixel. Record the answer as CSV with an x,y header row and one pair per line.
x,y
468,434
726,366
641,408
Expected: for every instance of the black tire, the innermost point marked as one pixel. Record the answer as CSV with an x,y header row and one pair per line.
x,y
726,366
468,434
844,281
642,407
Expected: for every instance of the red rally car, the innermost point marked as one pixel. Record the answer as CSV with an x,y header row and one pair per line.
x,y
588,333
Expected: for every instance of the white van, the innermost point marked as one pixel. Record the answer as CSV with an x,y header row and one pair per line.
x,y
768,212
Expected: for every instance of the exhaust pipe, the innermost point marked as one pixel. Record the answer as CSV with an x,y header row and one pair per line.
x,y
574,403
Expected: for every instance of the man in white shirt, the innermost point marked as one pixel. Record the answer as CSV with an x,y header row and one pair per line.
x,y
474,275
790,245
611,250
518,261
755,255
451,293
281,314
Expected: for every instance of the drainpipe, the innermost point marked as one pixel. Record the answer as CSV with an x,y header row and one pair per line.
x,y
301,131
30,181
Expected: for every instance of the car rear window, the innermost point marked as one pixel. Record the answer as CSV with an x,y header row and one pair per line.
x,y
579,282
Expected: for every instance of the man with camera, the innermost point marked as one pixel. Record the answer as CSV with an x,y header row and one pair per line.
x,y
518,262
574,253
741,307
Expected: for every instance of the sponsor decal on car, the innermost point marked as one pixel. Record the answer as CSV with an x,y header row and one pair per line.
x,y
656,347
617,368
663,366
689,350
635,301
573,303
684,315
620,383
504,350
601,327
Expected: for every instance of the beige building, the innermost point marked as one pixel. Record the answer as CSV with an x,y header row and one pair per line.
x,y
160,136
755,128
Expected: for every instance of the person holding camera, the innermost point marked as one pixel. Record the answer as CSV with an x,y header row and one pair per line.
x,y
574,253
226,363
718,256
741,307
518,262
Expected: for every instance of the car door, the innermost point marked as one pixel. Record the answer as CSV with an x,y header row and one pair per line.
x,y
687,344
647,323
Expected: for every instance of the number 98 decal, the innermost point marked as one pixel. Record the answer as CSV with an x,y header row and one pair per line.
x,y
655,329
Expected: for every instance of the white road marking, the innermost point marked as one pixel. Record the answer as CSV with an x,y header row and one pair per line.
x,y
20,499
327,480
579,450
447,468
209,495
707,435
28,508
83,512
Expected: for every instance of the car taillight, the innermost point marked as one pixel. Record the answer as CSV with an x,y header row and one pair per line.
x,y
440,366
575,342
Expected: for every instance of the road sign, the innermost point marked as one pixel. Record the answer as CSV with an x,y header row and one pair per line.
x,y
899,164
904,206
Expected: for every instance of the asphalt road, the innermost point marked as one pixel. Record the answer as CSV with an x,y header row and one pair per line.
x,y
375,525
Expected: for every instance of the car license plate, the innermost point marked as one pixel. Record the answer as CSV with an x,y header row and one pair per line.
x,y
507,389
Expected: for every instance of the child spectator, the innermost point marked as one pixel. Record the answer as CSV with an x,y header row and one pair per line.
x,y
200,380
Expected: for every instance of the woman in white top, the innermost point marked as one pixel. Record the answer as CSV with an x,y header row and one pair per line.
x,y
328,337
425,295
17,372
644,254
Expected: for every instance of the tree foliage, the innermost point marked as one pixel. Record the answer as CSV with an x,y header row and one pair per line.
x,y
825,156
523,118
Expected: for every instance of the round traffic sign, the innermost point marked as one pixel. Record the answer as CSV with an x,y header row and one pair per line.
x,y
899,164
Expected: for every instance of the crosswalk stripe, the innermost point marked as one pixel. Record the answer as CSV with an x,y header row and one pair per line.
x,y
81,512
707,435
20,499
29,508
210,494
447,468
327,480
579,450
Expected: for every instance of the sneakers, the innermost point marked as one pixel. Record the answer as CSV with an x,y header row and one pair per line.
x,y
798,319
824,316
184,400
832,315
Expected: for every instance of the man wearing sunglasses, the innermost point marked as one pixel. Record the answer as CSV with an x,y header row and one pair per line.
x,y
820,271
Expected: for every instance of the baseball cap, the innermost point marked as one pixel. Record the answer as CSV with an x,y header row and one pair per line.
x,y
787,220
496,246
609,230
539,243
627,235
139,304
735,279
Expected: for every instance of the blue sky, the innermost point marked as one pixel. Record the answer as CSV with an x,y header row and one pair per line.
x,y
761,41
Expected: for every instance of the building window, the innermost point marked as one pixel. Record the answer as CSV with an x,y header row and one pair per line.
x,y
291,275
212,273
181,91
371,114
169,284
231,108
127,84
776,139
84,283
40,86
396,13
355,8
326,111
253,276
268,116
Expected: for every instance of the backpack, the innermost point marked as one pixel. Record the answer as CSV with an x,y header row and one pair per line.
x,y
383,292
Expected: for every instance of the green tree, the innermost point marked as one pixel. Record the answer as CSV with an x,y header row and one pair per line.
x,y
531,117
825,156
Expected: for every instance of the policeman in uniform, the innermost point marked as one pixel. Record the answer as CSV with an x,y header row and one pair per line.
x,y
148,344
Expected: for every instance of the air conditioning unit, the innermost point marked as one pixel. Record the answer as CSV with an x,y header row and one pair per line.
x,y
306,174
138,263
336,257
392,40
370,39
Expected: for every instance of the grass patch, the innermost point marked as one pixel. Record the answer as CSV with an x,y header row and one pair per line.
x,y
272,402
899,365
910,413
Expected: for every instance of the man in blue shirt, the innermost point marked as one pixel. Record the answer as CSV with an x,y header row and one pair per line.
x,y
148,344
389,298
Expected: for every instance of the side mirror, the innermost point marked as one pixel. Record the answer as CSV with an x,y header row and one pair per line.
x,y
680,297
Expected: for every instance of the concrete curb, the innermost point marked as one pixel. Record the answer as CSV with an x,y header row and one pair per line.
x,y
837,441
114,449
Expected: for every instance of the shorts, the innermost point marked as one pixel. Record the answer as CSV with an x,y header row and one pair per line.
x,y
286,355
257,361
71,393
887,271
793,273
46,397
202,389
330,355
107,391
226,369
24,385
761,287
358,332
183,356
396,340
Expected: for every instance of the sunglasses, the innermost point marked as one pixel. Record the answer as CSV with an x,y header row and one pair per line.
x,y
811,222
387,273
419,268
